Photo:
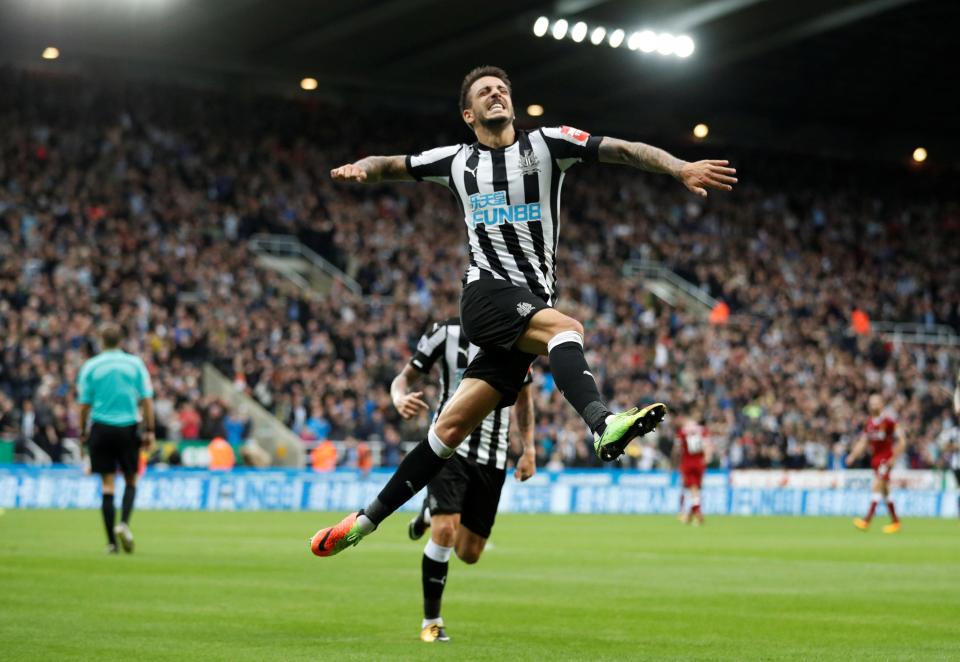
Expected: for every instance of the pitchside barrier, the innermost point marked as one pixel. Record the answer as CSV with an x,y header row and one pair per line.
x,y
917,493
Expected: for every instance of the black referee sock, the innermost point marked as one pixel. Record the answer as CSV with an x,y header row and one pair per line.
x,y
129,494
417,469
575,381
436,562
109,516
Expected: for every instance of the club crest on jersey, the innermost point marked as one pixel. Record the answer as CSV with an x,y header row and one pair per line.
x,y
524,308
575,136
529,164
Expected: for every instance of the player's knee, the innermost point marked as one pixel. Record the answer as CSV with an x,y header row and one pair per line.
x,y
452,429
564,324
444,533
573,325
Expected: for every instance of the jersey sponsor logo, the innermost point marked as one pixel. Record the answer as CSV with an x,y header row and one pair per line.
x,y
524,308
529,164
575,136
492,209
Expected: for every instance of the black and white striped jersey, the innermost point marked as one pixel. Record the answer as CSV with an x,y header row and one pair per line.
x,y
510,200
446,344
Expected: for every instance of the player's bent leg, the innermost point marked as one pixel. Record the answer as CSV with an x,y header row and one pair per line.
x,y
545,325
562,338
472,402
470,545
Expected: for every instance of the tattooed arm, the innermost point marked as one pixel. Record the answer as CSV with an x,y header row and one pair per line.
x,y
373,169
697,176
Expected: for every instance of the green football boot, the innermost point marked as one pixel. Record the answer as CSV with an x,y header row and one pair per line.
x,y
626,426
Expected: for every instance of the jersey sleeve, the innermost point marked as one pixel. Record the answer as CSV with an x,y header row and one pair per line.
x,y
429,348
432,165
144,383
569,146
84,392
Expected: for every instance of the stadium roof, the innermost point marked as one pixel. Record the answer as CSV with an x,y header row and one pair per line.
x,y
853,75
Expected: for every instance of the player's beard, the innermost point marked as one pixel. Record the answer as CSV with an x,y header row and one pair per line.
x,y
494,124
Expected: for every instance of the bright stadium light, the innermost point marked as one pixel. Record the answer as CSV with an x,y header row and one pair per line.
x,y
665,43
560,29
535,110
647,41
541,26
308,84
50,53
683,46
919,155
701,130
578,32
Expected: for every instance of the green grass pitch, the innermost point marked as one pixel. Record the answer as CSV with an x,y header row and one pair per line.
x,y
243,586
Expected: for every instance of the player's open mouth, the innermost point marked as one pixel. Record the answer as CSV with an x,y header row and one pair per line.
x,y
497,106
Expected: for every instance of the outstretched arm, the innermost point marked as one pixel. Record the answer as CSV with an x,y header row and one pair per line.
x,y
697,176
373,169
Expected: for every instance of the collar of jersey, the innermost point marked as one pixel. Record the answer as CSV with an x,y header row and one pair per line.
x,y
516,139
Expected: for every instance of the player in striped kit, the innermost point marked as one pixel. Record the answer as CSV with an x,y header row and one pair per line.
x,y
507,185
887,443
462,500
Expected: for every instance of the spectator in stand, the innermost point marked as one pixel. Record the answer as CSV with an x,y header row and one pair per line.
x,y
237,425
189,421
212,421
323,457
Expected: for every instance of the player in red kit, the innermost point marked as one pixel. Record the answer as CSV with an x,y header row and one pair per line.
x,y
693,448
887,443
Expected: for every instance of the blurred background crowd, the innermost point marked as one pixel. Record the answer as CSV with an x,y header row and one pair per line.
x,y
123,202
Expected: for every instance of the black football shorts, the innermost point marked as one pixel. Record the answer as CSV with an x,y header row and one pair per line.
x,y
470,489
494,314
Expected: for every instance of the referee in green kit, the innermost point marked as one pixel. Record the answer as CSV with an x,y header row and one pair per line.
x,y
113,388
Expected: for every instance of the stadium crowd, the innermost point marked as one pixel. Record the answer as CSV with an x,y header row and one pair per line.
x,y
135,203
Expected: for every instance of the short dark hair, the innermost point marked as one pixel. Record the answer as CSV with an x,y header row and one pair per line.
x,y
111,335
480,72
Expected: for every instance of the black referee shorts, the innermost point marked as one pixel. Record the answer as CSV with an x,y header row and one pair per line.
x,y
469,489
112,447
494,314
